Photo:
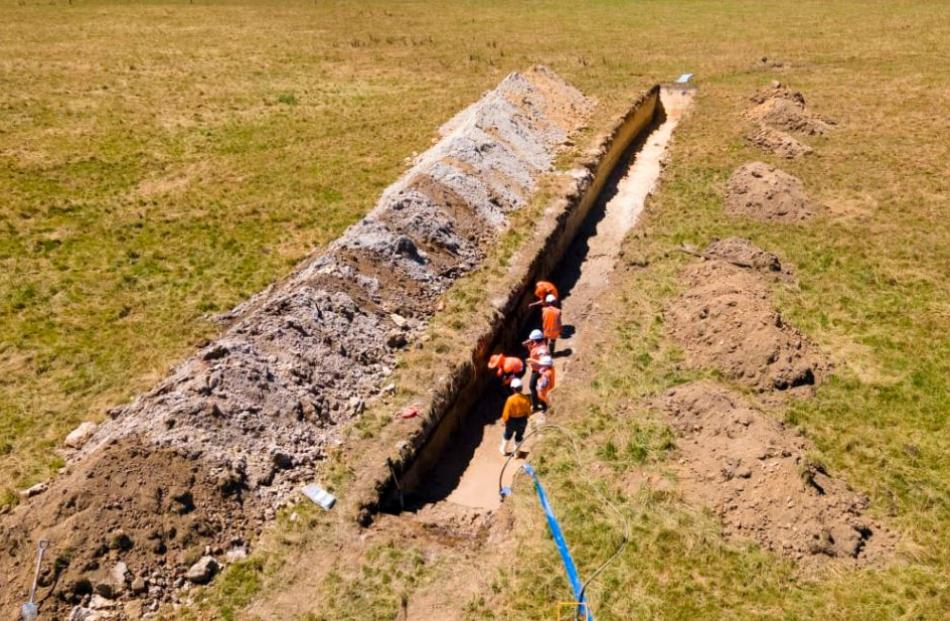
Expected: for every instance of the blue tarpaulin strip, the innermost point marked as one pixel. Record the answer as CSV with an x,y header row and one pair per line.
x,y
555,527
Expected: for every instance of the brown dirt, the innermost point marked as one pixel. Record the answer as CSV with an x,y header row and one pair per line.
x,y
725,320
764,192
778,142
152,509
782,108
741,252
754,473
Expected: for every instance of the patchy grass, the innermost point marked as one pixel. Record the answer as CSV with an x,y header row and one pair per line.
x,y
159,162
870,289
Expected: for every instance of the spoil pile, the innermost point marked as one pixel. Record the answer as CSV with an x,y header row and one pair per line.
x,y
778,111
778,142
754,473
784,109
242,422
766,193
725,320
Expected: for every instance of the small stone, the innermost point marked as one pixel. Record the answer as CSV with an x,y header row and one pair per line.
x,y
99,602
237,553
79,613
399,320
120,576
202,571
80,435
133,609
36,490
139,586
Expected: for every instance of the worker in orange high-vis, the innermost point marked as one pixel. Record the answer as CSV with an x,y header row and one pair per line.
x,y
515,417
506,368
551,322
542,290
546,383
537,347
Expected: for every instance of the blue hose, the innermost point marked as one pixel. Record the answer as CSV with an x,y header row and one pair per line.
x,y
576,585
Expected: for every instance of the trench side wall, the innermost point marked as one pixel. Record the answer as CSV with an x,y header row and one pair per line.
x,y
458,390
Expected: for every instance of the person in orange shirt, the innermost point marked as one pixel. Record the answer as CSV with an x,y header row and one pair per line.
x,y
537,348
542,290
546,382
515,417
506,367
541,399
551,322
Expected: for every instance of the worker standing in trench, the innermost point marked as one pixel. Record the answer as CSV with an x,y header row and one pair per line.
x,y
551,322
544,384
515,417
537,348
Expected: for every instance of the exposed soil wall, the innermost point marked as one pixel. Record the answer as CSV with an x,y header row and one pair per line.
x,y
464,383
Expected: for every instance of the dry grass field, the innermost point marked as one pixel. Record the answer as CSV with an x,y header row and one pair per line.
x,y
160,161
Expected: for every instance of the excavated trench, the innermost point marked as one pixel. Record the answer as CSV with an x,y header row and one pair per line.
x,y
457,461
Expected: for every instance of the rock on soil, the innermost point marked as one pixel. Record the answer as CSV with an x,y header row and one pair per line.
x,y
785,109
199,460
754,473
725,320
202,571
778,142
764,192
80,435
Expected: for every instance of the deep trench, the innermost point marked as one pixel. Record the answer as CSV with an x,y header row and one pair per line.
x,y
442,469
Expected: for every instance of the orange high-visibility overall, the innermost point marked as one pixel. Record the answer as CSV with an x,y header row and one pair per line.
x,y
551,322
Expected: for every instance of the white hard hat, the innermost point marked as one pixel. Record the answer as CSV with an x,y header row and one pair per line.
x,y
550,299
516,383
536,335
546,361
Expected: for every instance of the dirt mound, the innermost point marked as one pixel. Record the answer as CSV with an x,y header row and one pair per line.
x,y
754,473
261,403
785,109
741,252
766,193
725,320
155,511
778,142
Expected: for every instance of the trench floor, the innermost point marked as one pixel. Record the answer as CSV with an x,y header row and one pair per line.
x,y
468,474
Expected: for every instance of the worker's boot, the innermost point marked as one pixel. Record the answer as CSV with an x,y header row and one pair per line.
x,y
503,447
